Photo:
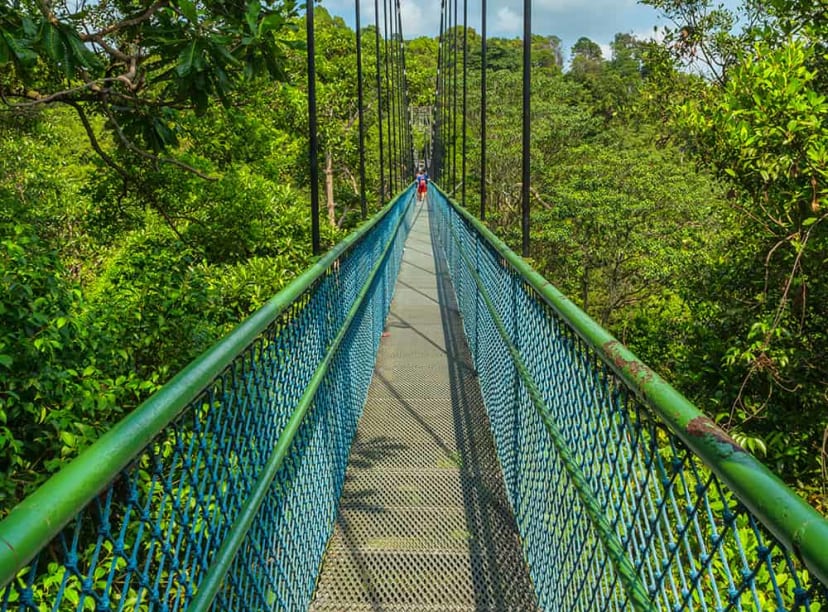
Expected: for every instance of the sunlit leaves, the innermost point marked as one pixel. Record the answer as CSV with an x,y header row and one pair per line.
x,y
141,60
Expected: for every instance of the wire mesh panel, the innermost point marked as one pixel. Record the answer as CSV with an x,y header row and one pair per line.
x,y
614,509
150,538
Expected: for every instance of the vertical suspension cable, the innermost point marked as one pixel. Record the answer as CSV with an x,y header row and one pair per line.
x,y
392,93
389,110
438,98
438,107
401,95
398,94
527,68
398,90
454,111
446,117
446,92
446,159
361,103
379,105
465,96
407,119
483,67
313,136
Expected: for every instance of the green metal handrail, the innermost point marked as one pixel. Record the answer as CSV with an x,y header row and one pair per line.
x,y
211,583
797,525
35,521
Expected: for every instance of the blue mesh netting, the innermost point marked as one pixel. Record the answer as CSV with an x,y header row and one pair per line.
x,y
687,539
147,540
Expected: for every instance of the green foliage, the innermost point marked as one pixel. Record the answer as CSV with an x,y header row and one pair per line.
x,y
627,224
139,63
244,215
112,282
765,129
150,297
421,69
678,195
57,389
759,124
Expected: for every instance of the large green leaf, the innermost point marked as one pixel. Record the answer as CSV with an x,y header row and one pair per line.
x,y
19,50
188,58
188,9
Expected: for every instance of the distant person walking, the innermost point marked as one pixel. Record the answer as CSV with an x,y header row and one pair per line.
x,y
422,185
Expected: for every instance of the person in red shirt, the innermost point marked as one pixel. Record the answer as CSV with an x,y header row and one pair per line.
x,y
422,185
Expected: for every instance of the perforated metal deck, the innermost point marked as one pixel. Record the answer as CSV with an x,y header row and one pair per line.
x,y
423,521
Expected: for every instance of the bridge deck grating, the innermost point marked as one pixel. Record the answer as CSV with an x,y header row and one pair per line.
x,y
423,522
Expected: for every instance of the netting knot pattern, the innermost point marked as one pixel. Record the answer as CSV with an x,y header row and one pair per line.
x,y
148,538
614,510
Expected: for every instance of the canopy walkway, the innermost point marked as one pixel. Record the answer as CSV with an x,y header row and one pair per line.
x,y
476,442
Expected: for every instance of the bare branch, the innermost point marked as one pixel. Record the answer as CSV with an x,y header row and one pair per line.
x,y
95,87
544,203
93,140
127,23
167,218
47,12
342,218
99,40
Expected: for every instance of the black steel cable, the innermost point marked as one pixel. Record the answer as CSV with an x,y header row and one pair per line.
x,y
389,100
527,72
465,96
313,136
398,94
405,117
483,68
438,107
379,105
361,104
454,110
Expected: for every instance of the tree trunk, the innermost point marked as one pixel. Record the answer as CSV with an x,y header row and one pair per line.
x,y
329,188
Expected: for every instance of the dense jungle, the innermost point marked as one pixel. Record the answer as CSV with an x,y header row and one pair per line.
x,y
150,200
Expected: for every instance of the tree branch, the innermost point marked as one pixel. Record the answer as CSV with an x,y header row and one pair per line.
x,y
126,23
148,156
93,140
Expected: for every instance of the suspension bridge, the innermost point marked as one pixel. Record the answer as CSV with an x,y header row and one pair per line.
x,y
420,421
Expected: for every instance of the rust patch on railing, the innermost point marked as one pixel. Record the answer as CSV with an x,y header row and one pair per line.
x,y
640,371
704,426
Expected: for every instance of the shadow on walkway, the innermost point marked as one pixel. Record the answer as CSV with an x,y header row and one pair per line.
x,y
423,522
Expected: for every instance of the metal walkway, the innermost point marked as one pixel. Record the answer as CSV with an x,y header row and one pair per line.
x,y
423,521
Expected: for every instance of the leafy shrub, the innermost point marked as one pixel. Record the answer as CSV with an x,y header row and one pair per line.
x,y
55,394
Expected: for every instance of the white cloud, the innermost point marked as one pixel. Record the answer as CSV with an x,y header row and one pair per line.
x,y
418,22
508,21
606,8
656,34
598,20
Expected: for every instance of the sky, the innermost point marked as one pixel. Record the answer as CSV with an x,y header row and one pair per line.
x,y
569,20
